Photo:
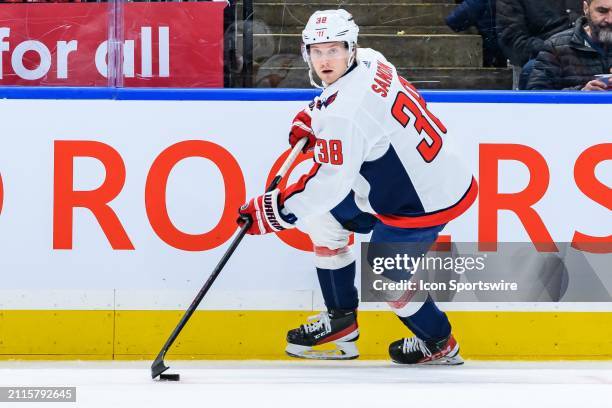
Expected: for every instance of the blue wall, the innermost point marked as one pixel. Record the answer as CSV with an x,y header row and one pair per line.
x,y
574,97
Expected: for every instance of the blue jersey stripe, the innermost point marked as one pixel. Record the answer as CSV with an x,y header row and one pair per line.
x,y
391,190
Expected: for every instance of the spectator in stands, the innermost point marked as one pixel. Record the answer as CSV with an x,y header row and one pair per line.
x,y
524,25
572,58
481,14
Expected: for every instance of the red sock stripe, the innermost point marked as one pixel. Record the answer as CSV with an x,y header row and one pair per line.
x,y
403,300
326,252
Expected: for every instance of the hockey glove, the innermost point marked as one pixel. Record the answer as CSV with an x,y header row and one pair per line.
x,y
265,213
301,128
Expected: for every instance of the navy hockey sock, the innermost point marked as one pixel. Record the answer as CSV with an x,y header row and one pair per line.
x,y
429,323
338,287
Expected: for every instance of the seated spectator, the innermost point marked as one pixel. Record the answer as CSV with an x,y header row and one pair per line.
x,y
524,25
481,14
572,58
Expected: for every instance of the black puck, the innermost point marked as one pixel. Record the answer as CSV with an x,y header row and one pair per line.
x,y
169,377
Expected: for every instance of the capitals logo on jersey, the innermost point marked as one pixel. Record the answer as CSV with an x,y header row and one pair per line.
x,y
325,103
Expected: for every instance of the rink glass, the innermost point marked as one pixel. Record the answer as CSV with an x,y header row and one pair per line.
x,y
213,44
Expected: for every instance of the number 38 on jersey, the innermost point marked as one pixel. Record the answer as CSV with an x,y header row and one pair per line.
x,y
329,151
410,104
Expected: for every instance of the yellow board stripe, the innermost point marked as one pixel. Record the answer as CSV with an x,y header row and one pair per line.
x,y
121,335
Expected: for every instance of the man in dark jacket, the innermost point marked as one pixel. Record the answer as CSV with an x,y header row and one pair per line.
x,y
524,25
479,13
572,58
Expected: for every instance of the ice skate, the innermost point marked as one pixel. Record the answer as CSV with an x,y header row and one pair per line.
x,y
338,328
413,350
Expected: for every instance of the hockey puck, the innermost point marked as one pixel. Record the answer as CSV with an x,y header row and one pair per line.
x,y
169,377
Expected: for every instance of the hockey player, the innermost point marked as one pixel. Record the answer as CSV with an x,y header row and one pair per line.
x,y
383,164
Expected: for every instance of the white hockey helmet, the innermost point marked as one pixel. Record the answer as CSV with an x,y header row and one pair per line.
x,y
329,26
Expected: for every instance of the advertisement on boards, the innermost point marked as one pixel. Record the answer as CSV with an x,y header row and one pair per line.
x,y
163,44
143,195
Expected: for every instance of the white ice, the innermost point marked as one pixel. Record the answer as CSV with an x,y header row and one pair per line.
x,y
317,384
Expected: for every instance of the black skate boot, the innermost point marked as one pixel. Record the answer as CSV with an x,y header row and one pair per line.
x,y
413,350
336,326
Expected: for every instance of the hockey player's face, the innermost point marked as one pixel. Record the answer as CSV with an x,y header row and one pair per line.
x,y
329,60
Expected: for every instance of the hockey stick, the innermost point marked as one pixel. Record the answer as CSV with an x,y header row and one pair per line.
x,y
158,366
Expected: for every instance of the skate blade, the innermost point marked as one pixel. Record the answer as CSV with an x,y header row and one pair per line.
x,y
344,351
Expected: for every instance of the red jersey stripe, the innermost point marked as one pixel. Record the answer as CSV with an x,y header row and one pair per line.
x,y
299,185
437,218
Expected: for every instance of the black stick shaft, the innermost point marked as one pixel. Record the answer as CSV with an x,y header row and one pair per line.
x,y
158,366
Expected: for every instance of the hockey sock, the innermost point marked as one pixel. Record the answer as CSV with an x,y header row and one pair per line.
x,y
429,322
338,287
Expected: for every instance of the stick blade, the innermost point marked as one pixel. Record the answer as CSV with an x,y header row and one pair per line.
x,y
158,367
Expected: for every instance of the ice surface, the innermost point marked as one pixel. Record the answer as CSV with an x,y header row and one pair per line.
x,y
317,384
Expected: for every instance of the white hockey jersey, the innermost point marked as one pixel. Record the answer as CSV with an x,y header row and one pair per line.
x,y
376,137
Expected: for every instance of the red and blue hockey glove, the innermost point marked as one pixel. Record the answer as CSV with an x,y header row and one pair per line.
x,y
301,128
266,214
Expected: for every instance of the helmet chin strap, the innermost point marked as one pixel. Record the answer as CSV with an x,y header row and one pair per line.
x,y
312,80
324,85
353,55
